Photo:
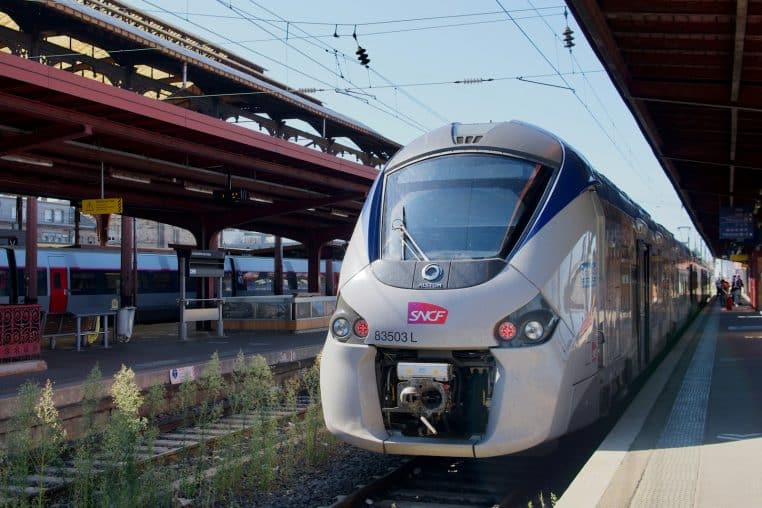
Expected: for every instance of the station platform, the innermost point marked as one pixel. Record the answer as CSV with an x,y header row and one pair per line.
x,y
693,435
153,351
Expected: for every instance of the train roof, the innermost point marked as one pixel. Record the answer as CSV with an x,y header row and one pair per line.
x,y
514,137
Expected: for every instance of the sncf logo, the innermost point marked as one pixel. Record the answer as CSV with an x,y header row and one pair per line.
x,y
420,313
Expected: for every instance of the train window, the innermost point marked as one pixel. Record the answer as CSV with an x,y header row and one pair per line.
x,y
291,282
254,283
57,280
112,282
42,282
88,282
459,206
159,282
4,289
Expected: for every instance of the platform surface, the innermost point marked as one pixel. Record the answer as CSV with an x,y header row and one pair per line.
x,y
693,435
156,347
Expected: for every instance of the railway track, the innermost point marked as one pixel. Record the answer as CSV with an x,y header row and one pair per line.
x,y
437,482
172,443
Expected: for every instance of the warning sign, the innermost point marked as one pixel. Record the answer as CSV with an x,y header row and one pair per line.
x,y
100,206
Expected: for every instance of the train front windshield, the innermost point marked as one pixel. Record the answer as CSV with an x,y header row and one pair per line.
x,y
466,206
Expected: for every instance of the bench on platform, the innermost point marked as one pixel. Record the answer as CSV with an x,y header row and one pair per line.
x,y
76,324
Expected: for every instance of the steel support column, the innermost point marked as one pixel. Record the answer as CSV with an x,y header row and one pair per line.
x,y
30,268
125,277
313,266
278,268
328,250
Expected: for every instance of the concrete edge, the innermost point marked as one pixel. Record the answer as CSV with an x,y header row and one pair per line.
x,y
591,482
71,393
25,367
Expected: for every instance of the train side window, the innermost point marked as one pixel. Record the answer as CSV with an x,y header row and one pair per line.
x,y
57,280
42,283
87,282
4,283
112,282
291,281
20,282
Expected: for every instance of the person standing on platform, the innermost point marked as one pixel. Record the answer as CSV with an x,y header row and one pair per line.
x,y
737,286
726,295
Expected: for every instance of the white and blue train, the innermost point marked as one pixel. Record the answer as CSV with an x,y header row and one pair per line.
x,y
496,294
87,280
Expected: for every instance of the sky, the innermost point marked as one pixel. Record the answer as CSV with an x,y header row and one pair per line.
x,y
508,56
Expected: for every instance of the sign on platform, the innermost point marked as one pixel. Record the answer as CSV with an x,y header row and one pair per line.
x,y
736,223
101,206
181,374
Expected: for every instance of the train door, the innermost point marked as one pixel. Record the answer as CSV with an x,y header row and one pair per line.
x,y
58,284
643,303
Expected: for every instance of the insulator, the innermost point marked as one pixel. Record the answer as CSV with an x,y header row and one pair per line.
x,y
568,38
362,56
471,81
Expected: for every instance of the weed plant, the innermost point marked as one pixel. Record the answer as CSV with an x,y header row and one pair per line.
x,y
121,485
186,399
213,389
315,449
50,437
290,455
84,485
153,404
237,394
21,439
258,384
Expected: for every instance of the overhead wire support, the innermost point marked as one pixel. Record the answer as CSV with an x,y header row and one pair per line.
x,y
576,95
603,106
410,120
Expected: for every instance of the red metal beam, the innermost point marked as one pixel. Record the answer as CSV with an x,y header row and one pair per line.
x,y
41,137
249,215
173,144
49,78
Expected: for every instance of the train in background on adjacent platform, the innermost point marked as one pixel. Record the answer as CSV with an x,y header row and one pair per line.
x,y
87,280
497,293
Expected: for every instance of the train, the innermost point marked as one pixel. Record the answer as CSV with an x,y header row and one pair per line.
x,y
87,280
497,293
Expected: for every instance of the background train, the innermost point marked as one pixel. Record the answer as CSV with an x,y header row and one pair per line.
x,y
496,294
87,280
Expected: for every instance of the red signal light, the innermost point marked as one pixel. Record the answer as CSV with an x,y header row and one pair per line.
x,y
506,330
361,328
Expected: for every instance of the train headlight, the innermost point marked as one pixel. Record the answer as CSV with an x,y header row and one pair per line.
x,y
531,325
340,328
533,330
347,325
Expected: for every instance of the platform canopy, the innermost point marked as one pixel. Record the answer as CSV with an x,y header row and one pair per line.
x,y
688,72
100,100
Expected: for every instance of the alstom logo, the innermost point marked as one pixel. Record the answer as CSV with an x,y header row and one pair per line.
x,y
420,313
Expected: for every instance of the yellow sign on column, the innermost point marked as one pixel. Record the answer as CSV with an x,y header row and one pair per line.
x,y
100,206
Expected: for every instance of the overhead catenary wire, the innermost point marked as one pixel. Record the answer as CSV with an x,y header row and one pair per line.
x,y
373,70
291,68
595,94
574,92
247,16
280,19
466,81
329,48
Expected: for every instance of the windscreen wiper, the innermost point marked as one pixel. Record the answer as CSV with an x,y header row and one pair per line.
x,y
399,225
